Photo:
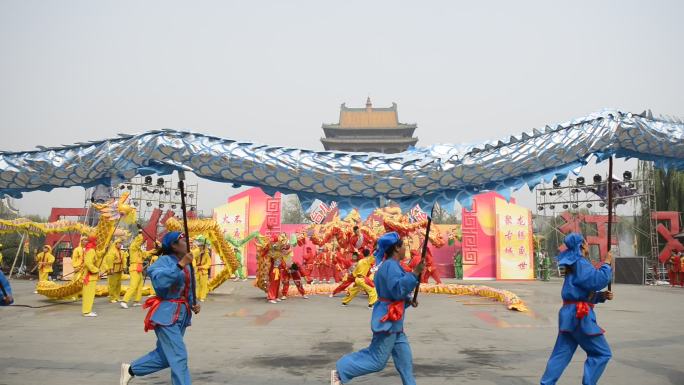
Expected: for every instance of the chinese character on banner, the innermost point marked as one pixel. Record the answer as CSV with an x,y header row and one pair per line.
x,y
508,235
521,235
508,250
522,265
317,216
318,213
521,250
417,214
521,221
236,234
508,220
237,219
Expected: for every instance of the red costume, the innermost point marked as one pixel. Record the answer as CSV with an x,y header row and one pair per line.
x,y
348,281
675,271
342,264
309,260
274,277
291,272
430,269
325,267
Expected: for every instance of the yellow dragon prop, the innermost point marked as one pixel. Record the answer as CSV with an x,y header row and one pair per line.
x,y
39,228
275,247
110,215
212,232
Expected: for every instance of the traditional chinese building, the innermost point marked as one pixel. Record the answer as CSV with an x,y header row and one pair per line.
x,y
369,130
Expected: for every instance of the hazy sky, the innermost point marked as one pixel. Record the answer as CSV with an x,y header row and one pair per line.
x,y
272,72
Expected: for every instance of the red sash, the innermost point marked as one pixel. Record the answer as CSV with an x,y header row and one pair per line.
x,y
582,308
395,310
153,304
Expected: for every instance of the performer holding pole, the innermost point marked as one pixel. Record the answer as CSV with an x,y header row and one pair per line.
x,y
394,286
577,321
169,315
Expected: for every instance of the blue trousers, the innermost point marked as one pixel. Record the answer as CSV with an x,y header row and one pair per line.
x,y
374,358
598,354
170,352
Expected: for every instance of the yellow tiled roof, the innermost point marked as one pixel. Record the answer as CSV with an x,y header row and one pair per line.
x,y
368,118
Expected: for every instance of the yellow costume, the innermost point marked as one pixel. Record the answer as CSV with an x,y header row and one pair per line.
x,y
77,256
115,260
360,273
202,261
135,269
45,259
89,280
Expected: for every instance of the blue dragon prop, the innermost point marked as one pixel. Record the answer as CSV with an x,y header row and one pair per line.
x,y
440,173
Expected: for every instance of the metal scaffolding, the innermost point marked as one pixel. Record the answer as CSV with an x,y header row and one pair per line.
x,y
635,196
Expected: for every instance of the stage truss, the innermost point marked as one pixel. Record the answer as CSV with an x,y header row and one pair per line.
x,y
147,193
580,196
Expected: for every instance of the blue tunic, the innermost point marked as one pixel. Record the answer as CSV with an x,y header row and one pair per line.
x,y
584,281
581,285
7,289
392,282
169,283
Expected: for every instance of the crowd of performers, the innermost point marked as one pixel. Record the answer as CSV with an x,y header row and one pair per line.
x,y
386,269
134,260
346,261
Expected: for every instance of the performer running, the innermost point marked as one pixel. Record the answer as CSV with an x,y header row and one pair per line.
x,y
169,314
395,287
577,320
349,279
115,260
89,278
361,282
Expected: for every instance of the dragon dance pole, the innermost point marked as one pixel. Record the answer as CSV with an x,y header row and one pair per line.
x,y
414,302
181,186
610,212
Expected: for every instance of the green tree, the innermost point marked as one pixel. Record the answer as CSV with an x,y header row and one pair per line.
x,y
669,196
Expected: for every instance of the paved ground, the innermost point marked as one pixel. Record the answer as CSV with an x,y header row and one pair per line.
x,y
240,339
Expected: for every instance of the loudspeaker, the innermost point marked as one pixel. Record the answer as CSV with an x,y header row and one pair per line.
x,y
630,270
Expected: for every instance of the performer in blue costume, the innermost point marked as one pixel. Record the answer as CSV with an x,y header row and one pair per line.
x,y
5,291
576,318
169,314
395,288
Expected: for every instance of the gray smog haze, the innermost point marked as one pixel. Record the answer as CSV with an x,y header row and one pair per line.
x,y
273,71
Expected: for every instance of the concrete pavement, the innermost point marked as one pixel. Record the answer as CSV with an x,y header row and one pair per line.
x,y
240,339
